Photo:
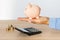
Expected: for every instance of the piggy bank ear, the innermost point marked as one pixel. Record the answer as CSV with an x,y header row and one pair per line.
x,y
29,5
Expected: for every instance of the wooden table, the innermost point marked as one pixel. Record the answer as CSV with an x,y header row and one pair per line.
x,y
47,33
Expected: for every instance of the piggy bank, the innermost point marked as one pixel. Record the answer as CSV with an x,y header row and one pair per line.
x,y
32,11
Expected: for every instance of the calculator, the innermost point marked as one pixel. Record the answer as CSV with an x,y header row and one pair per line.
x,y
29,31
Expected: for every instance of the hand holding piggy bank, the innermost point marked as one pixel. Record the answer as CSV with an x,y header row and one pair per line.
x,y
32,11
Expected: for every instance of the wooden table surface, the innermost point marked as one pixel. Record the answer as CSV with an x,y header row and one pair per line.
x,y
47,33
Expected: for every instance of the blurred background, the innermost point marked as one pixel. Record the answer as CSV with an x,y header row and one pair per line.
x,y
12,9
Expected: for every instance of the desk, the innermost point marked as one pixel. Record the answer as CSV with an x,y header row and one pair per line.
x,y
47,33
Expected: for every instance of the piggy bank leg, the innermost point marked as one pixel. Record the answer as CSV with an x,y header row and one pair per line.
x,y
37,17
29,19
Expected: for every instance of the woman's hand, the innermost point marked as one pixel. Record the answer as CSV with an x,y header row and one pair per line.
x,y
40,20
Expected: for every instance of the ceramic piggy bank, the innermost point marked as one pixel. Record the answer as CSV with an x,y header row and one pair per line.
x,y
32,11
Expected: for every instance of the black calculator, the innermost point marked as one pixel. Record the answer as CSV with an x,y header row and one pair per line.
x,y
29,31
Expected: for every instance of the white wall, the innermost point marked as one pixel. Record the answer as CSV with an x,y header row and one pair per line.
x,y
12,9
7,9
